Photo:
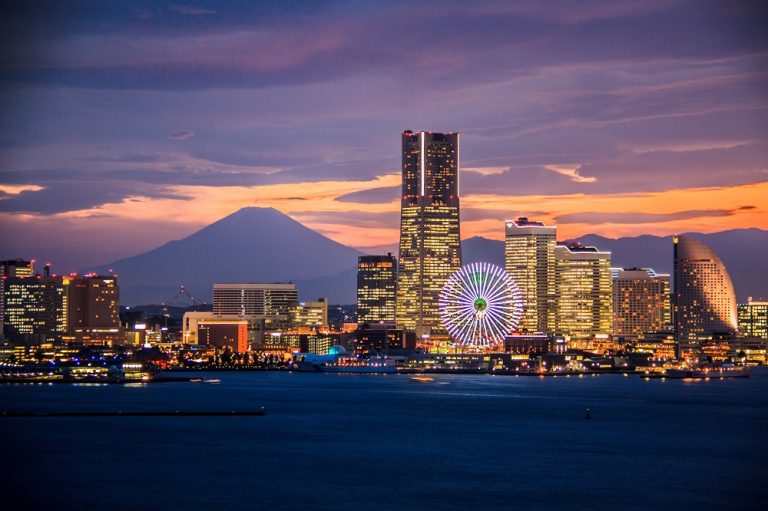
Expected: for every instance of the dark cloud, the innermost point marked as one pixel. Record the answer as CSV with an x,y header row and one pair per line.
x,y
191,10
62,197
181,134
644,218
251,45
592,97
472,214
368,219
380,195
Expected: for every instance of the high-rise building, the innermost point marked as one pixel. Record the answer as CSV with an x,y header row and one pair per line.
x,y
641,302
35,308
253,299
310,314
529,255
704,298
12,268
584,290
267,307
430,243
753,319
94,302
93,315
376,288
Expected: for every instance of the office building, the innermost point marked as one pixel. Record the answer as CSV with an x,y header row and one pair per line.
x,y
93,315
376,288
35,309
704,298
641,302
529,255
383,337
254,299
584,290
753,319
12,268
266,307
312,315
430,243
224,335
205,328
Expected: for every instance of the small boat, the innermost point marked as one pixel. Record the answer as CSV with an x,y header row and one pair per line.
x,y
212,380
422,378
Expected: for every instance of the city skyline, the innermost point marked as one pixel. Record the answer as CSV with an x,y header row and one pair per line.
x,y
106,153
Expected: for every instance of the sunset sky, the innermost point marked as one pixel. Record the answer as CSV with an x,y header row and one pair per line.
x,y
125,125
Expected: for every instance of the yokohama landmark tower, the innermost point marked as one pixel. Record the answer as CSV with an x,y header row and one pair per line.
x,y
430,245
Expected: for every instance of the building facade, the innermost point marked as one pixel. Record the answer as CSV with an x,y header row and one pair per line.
x,y
383,337
266,307
641,302
94,302
376,288
312,315
35,309
204,328
529,256
584,290
753,319
12,268
430,242
704,297
253,299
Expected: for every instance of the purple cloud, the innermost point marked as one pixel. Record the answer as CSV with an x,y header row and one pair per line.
x,y
181,134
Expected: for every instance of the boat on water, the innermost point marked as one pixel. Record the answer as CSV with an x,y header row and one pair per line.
x,y
703,372
422,378
370,366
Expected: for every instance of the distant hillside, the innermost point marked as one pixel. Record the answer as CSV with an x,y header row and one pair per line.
x,y
264,245
744,252
250,245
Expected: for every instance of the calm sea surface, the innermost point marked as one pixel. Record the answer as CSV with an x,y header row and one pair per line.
x,y
387,442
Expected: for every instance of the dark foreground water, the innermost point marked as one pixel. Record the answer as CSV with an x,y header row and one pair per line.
x,y
387,442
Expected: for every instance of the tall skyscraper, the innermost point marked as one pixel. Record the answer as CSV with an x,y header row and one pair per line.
x,y
529,254
641,302
705,301
376,288
753,319
93,315
11,268
35,308
430,243
584,290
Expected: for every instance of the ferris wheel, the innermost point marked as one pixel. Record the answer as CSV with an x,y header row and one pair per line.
x,y
480,304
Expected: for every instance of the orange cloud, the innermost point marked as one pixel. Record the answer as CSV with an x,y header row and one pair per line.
x,y
734,207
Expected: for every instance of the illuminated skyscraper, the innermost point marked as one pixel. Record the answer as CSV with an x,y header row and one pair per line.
x,y
529,254
9,269
35,308
267,307
310,314
254,299
430,244
753,319
376,288
585,292
94,309
641,302
705,301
